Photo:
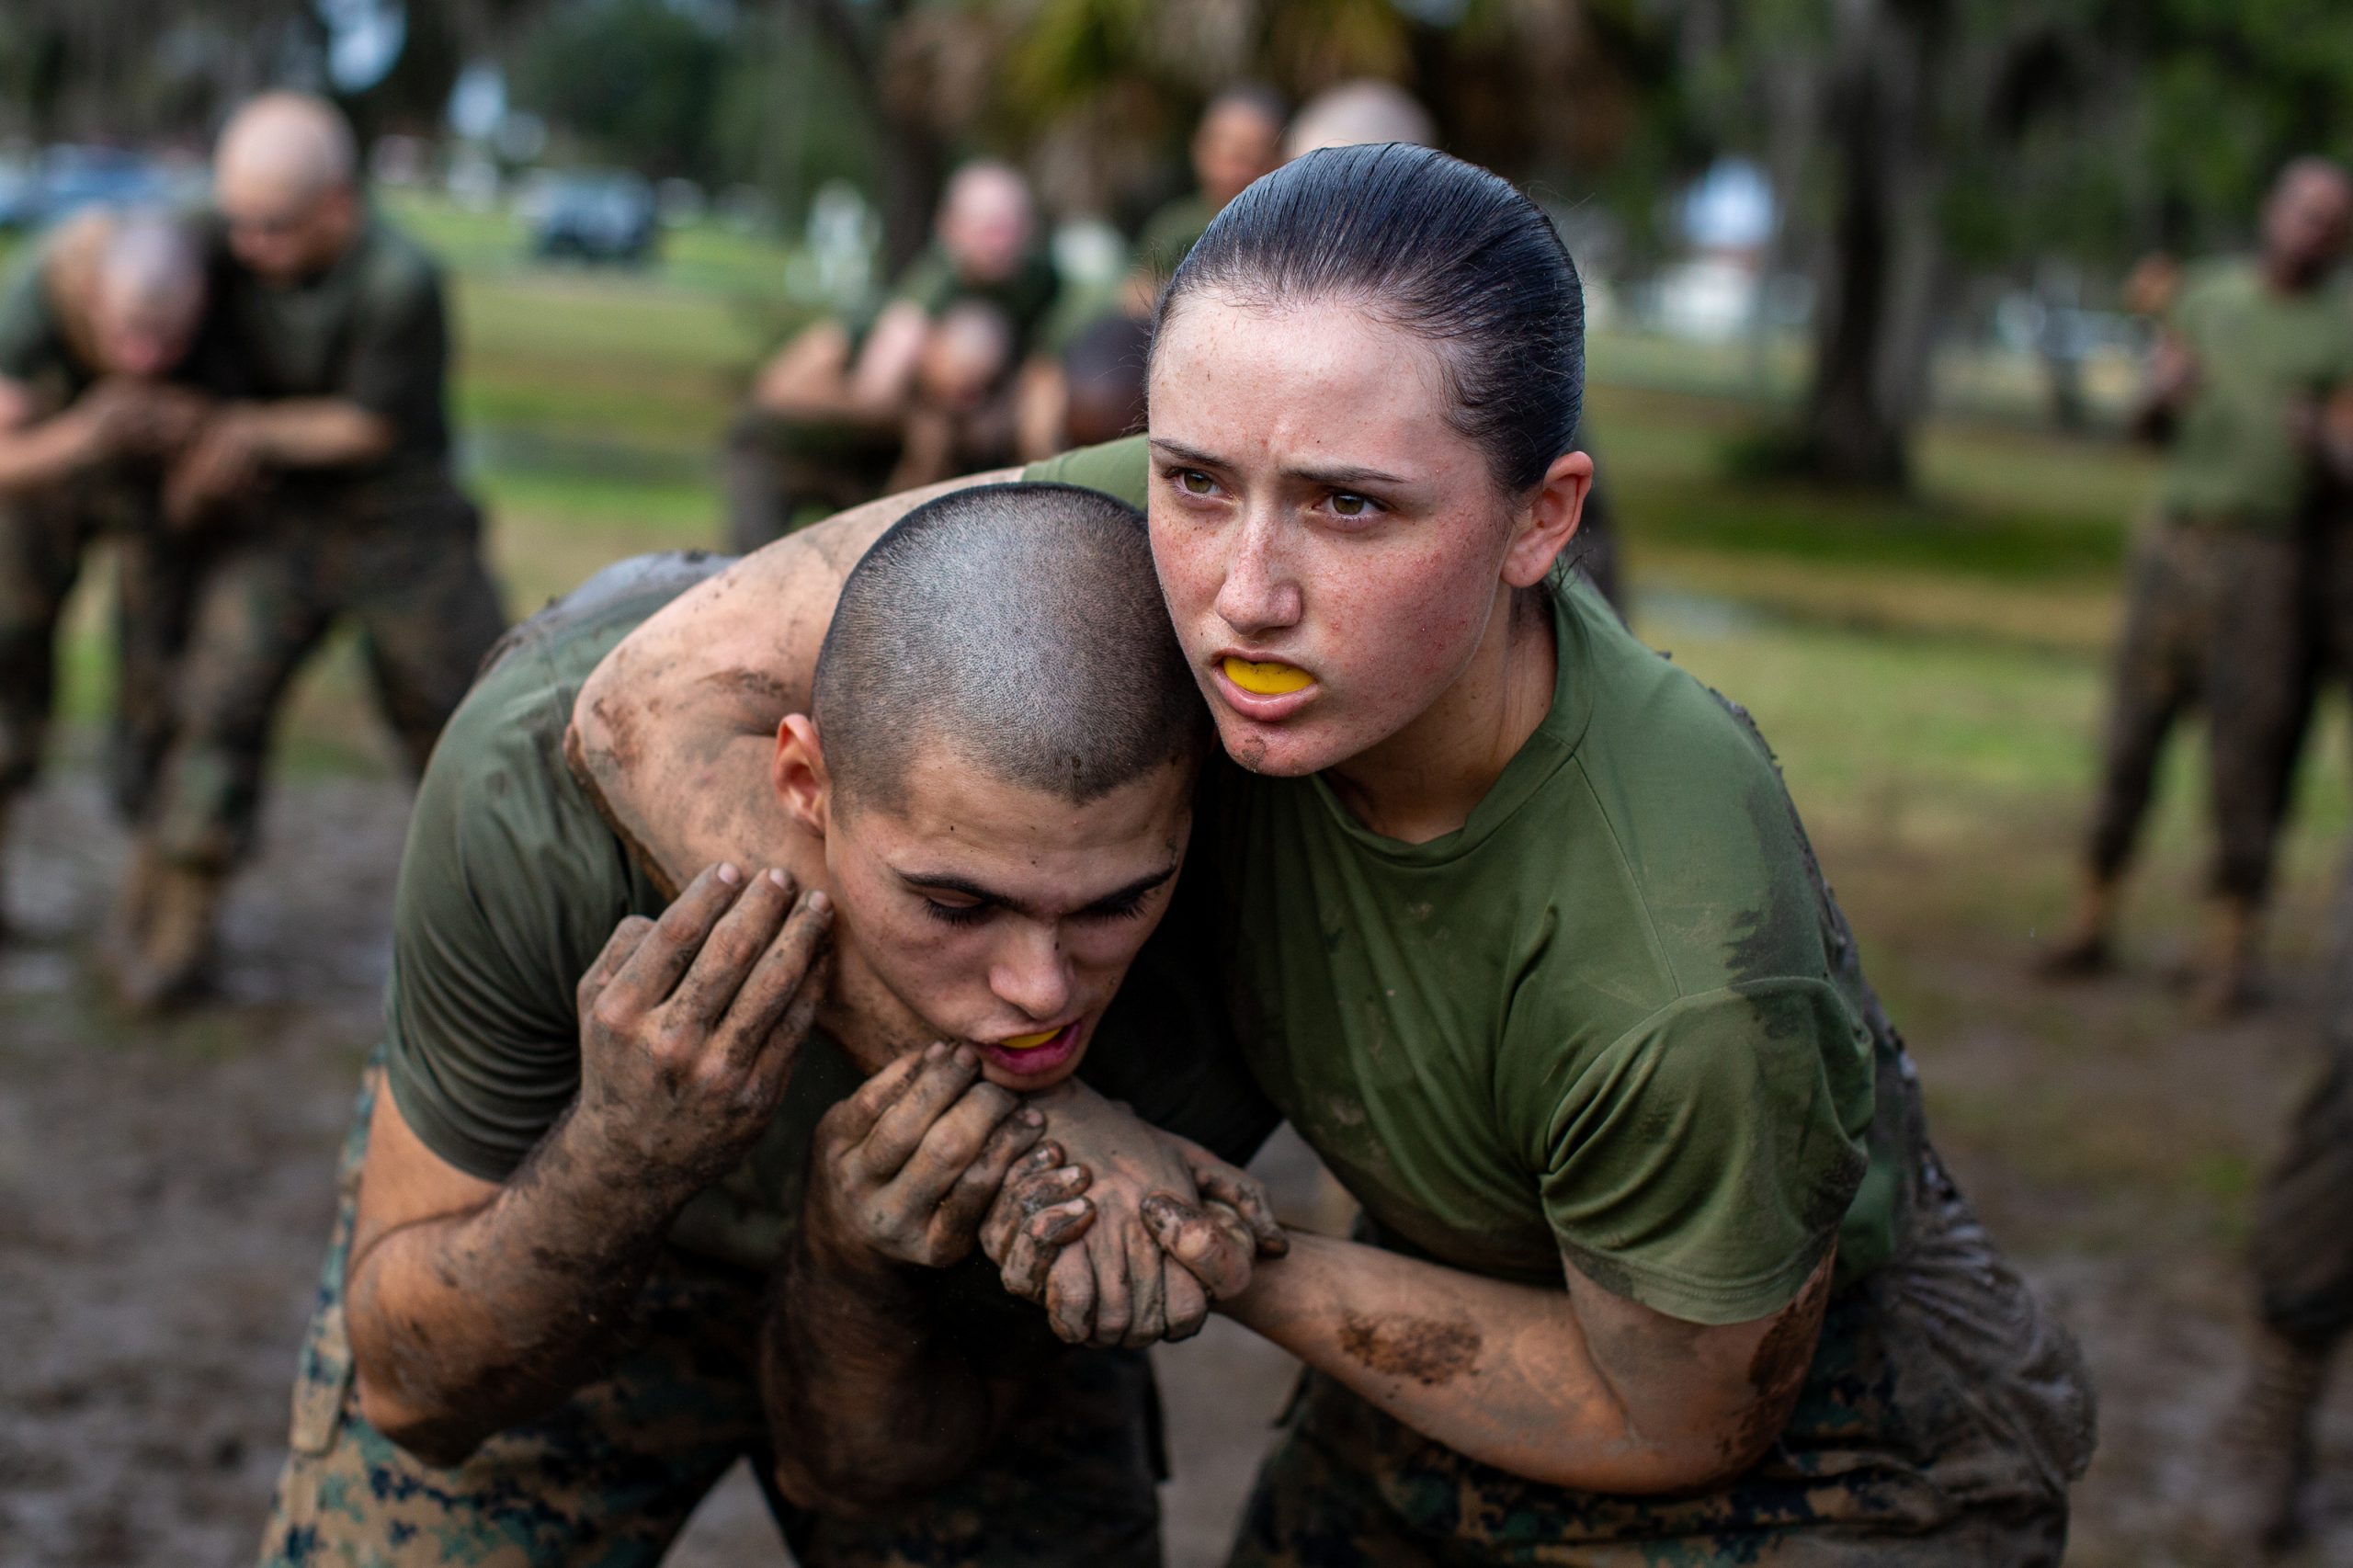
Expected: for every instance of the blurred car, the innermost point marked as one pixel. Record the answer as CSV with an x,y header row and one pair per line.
x,y
594,217
61,180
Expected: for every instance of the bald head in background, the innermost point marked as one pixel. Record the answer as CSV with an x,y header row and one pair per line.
x,y
147,295
2306,220
285,178
1357,113
986,221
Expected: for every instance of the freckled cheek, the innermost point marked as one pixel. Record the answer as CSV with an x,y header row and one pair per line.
x,y
1395,626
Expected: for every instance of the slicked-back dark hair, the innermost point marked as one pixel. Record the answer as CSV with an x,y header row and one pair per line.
x,y
1437,246
1020,627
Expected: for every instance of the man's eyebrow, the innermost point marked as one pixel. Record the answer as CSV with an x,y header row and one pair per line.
x,y
1336,476
950,882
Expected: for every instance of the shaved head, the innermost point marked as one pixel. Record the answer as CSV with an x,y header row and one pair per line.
x,y
1354,114
986,221
147,295
1019,626
285,176
294,143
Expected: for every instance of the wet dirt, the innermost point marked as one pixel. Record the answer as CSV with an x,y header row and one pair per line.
x,y
164,1195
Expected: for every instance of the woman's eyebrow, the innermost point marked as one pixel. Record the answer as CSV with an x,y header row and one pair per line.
x,y
1338,476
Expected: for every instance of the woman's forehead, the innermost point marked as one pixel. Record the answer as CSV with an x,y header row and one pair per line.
x,y
1324,380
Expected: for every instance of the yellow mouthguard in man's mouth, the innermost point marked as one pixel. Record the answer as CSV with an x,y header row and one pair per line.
x,y
1028,1041
1268,679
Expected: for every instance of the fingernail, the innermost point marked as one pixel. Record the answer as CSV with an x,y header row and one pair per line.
x,y
729,874
1076,1206
1068,1173
781,877
1033,1118
819,904
935,1050
966,1056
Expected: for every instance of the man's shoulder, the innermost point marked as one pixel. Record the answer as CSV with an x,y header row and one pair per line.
x,y
395,269
1122,469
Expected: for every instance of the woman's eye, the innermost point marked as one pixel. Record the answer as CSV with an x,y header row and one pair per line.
x,y
1346,505
1194,482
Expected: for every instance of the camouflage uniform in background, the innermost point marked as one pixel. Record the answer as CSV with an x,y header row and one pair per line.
x,y
782,473
610,1477
404,567
394,545
46,532
2210,622
2215,612
43,539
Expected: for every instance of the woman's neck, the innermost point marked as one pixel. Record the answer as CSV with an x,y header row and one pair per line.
x,y
1424,781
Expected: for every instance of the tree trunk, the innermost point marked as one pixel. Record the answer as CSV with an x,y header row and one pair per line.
x,y
1875,321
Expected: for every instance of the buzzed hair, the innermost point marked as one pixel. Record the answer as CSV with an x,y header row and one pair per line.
x,y
297,140
152,258
1020,627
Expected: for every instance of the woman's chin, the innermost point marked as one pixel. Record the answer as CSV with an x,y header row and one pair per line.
x,y
1289,750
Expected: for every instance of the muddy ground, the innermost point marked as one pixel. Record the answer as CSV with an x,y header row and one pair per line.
x,y
164,1194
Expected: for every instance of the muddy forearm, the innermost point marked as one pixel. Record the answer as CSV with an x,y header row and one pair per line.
x,y
462,1325
865,1404
1505,1373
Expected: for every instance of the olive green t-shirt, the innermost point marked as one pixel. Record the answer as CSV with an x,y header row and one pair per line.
x,y
2233,461
512,881
932,283
1171,233
371,329
34,349
1616,1017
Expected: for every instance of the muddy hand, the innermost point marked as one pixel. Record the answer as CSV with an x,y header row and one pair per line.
x,y
689,1025
906,1167
1116,1286
1211,1239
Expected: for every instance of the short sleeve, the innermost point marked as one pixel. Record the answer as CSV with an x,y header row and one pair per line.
x,y
1702,1163
400,350
1120,468
503,903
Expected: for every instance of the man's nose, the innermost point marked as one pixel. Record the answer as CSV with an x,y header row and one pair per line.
x,y
1032,973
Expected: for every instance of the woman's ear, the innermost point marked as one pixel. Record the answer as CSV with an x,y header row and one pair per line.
x,y
798,773
1551,520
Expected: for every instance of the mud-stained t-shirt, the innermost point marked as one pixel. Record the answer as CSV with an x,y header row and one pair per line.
x,y
1615,1017
371,329
511,883
2235,461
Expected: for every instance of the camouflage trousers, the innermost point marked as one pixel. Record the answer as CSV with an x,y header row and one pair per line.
x,y
2215,618
43,539
1944,1416
781,474
2303,1216
405,567
609,1477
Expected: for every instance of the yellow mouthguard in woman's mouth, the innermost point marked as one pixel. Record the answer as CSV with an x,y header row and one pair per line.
x,y
1028,1041
1267,679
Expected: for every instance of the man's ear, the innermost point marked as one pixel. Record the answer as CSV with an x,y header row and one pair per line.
x,y
798,773
1551,520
